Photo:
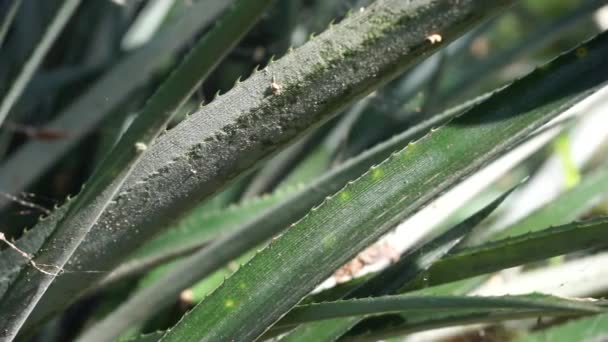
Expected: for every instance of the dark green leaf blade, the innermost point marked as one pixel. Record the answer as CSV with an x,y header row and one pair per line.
x,y
395,276
410,305
423,322
406,269
514,251
564,208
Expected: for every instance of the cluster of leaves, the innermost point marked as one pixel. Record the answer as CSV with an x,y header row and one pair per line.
x,y
237,222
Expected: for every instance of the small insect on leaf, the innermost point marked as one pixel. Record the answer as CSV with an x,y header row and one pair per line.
x,y
434,38
275,88
140,147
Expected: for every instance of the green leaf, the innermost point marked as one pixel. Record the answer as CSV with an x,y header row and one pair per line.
x,y
392,278
195,230
514,251
513,258
592,329
32,283
393,325
192,295
424,256
291,266
203,288
565,208
429,312
457,317
275,170
410,306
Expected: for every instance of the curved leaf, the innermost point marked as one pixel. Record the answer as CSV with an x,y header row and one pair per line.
x,y
514,251
411,305
456,318
567,207
393,277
